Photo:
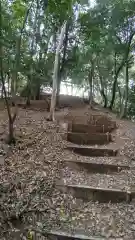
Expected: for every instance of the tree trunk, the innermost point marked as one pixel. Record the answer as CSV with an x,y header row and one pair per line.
x,y
38,92
8,82
11,138
113,91
120,96
122,104
91,83
58,93
104,98
17,56
11,118
126,90
102,89
61,69
58,85
28,91
117,71
2,92
31,56
29,97
123,113
115,81
55,75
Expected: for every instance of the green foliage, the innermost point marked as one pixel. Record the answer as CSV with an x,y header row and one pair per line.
x,y
99,36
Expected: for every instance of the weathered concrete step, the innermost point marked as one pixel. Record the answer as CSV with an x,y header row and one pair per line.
x,y
117,160
94,167
93,220
102,195
92,119
102,120
89,139
85,128
62,235
121,181
105,122
93,152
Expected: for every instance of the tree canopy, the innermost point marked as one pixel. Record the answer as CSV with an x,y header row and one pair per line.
x,y
97,51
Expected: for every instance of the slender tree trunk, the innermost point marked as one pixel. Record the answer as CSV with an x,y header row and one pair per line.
x,y
11,138
104,96
58,93
38,92
2,92
114,91
118,70
122,104
91,94
126,90
11,118
123,113
29,96
55,75
17,56
91,83
115,81
61,69
58,85
31,55
38,82
8,82
120,96
28,93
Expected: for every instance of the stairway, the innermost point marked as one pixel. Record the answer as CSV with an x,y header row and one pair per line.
x,y
98,177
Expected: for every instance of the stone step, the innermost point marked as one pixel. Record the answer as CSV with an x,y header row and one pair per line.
x,y
73,217
92,119
93,152
89,139
102,121
85,128
121,181
117,160
102,195
94,167
62,235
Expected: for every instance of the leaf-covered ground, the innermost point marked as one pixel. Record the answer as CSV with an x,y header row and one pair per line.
x,y
29,171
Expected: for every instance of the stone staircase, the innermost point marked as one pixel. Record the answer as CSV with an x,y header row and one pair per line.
x,y
97,175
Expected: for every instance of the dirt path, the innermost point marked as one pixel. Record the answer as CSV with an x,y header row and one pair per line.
x,y
29,198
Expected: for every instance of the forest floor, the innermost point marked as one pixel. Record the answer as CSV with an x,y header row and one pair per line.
x,y
30,170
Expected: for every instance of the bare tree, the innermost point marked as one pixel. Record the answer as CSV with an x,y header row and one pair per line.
x,y
11,138
55,74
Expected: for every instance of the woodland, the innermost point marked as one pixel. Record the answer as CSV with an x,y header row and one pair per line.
x,y
43,43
